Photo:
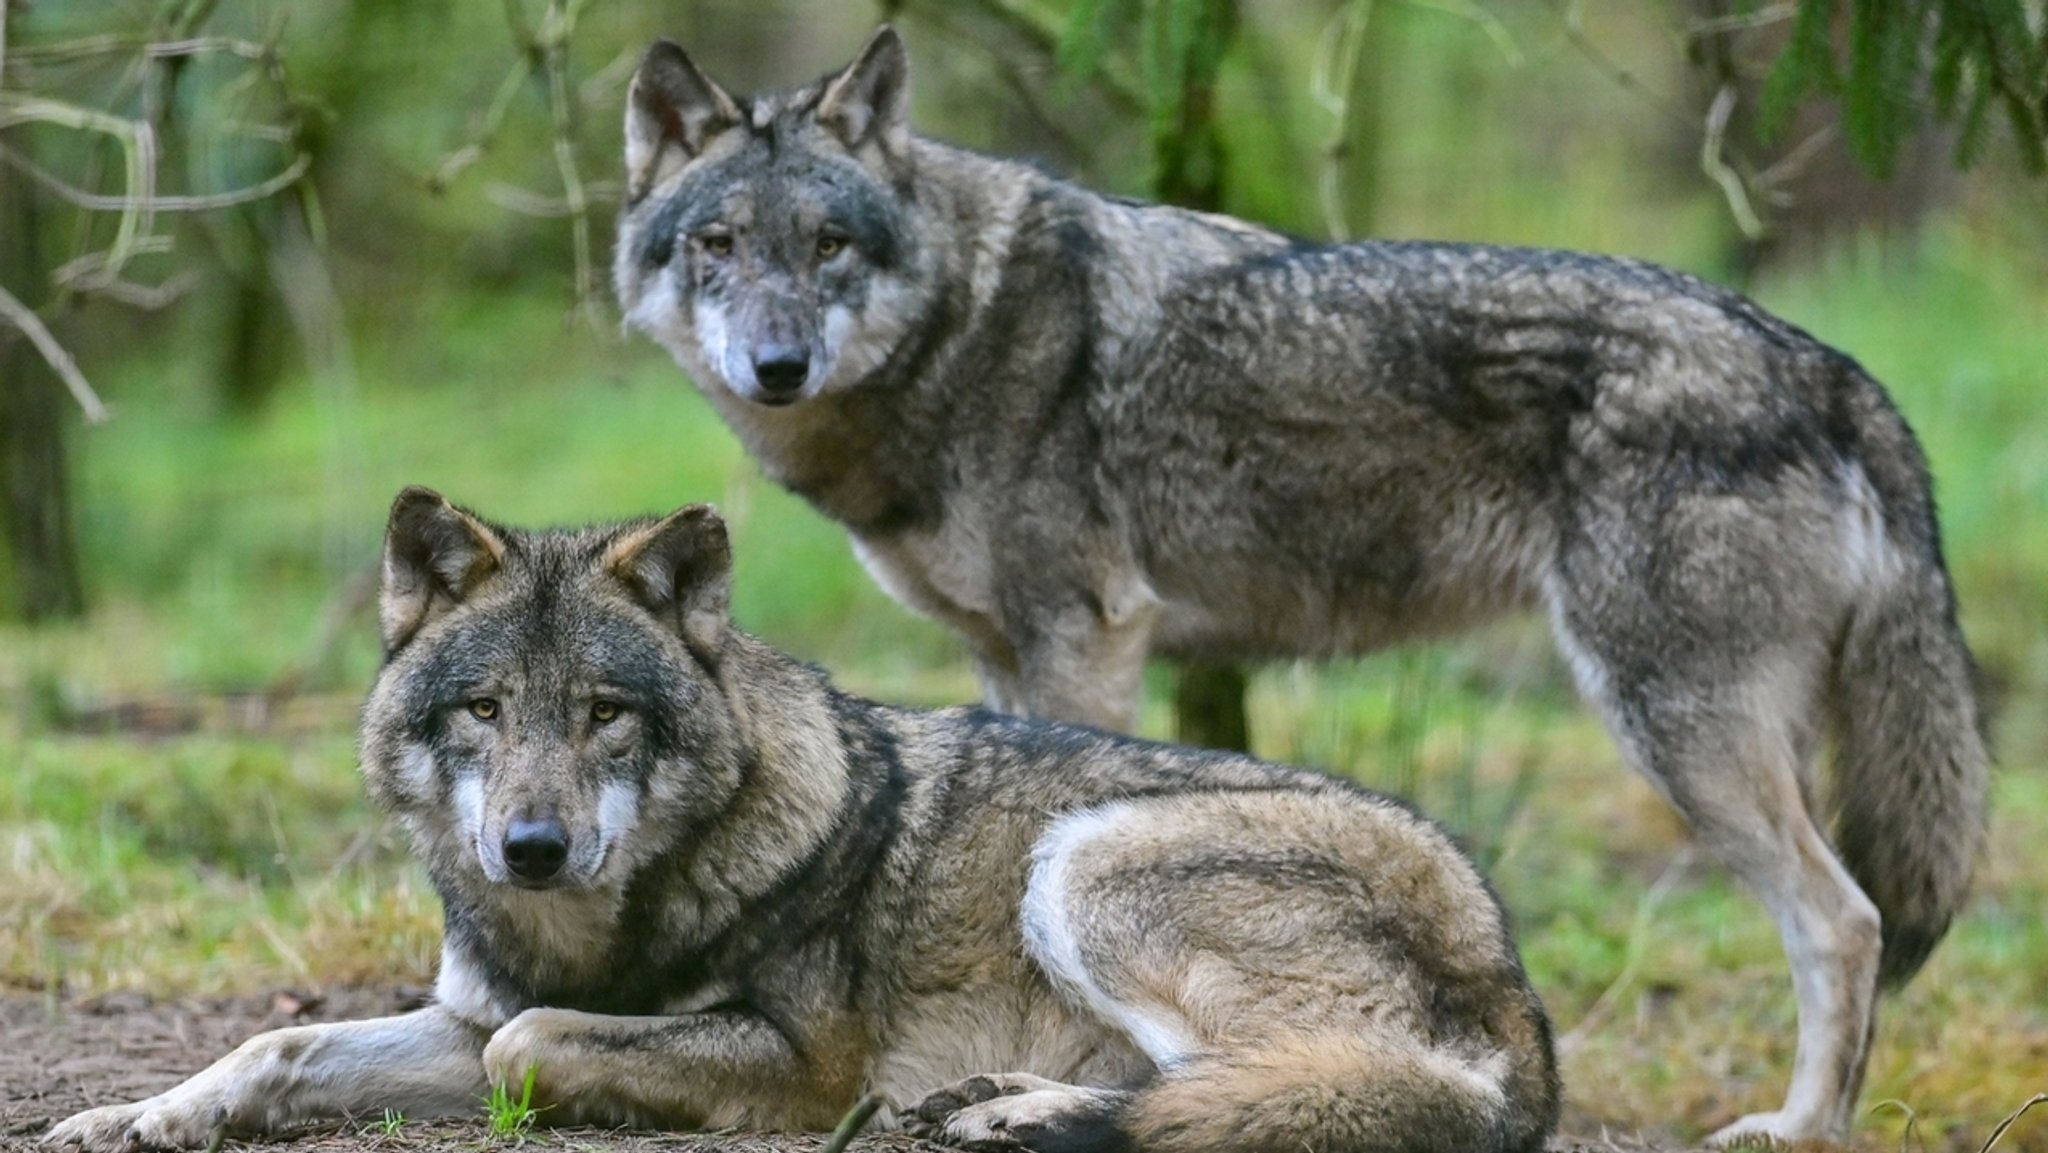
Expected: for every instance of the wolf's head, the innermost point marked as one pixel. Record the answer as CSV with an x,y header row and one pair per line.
x,y
767,243
548,715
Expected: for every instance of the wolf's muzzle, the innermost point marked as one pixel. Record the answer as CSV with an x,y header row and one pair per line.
x,y
536,850
781,371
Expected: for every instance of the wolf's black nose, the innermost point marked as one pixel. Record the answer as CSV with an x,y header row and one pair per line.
x,y
781,370
535,850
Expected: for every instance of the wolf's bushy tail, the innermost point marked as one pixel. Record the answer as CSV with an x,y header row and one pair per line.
x,y
1912,778
1340,1093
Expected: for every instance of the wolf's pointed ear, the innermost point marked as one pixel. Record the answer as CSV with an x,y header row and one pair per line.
x,y
680,569
672,112
871,99
435,555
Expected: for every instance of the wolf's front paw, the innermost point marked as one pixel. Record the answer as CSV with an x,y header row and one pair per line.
x,y
157,1123
927,1119
1010,1111
535,1043
103,1128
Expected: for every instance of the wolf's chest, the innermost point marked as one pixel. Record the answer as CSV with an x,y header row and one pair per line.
x,y
944,574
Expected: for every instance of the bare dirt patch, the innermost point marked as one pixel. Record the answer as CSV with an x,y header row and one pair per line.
x,y
57,1058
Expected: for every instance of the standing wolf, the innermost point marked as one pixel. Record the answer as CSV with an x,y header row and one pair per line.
x,y
688,884
1081,430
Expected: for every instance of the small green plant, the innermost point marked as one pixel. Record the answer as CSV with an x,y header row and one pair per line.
x,y
392,1124
509,1117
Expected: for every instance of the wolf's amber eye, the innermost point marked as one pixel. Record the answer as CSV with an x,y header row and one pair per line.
x,y
604,712
484,709
717,244
830,246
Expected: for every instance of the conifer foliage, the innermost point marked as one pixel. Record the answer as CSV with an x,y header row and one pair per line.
x,y
1890,61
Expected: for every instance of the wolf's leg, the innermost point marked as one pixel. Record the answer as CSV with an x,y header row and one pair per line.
x,y
422,1064
1002,687
1082,659
713,1069
1726,732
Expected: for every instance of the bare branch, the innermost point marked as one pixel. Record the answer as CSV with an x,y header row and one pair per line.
x,y
1741,21
1568,17
610,80
24,318
562,23
1122,90
147,297
1771,181
1331,82
1495,29
1714,163
527,202
74,195
453,164
138,149
86,47
85,273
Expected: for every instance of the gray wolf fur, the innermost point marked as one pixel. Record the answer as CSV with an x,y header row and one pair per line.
x,y
1081,430
690,884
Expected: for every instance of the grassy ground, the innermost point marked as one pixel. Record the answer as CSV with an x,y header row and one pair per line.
x,y
165,825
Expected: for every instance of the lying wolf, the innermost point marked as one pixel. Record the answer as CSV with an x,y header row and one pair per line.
x,y
1081,430
687,884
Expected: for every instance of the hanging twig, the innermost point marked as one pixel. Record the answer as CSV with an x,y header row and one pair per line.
x,y
1568,17
99,272
24,318
1715,164
1330,83
543,51
562,22
1479,14
453,164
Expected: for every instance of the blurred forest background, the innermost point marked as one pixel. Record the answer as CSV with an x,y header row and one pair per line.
x,y
266,262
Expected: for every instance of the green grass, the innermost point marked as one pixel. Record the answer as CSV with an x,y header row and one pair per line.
x,y
234,850
512,1118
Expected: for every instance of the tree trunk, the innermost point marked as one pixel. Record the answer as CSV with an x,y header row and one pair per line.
x,y
1188,169
1208,707
39,579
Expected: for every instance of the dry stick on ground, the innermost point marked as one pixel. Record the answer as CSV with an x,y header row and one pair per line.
x,y
2016,1114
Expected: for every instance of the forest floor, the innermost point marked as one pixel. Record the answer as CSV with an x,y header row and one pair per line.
x,y
57,1058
